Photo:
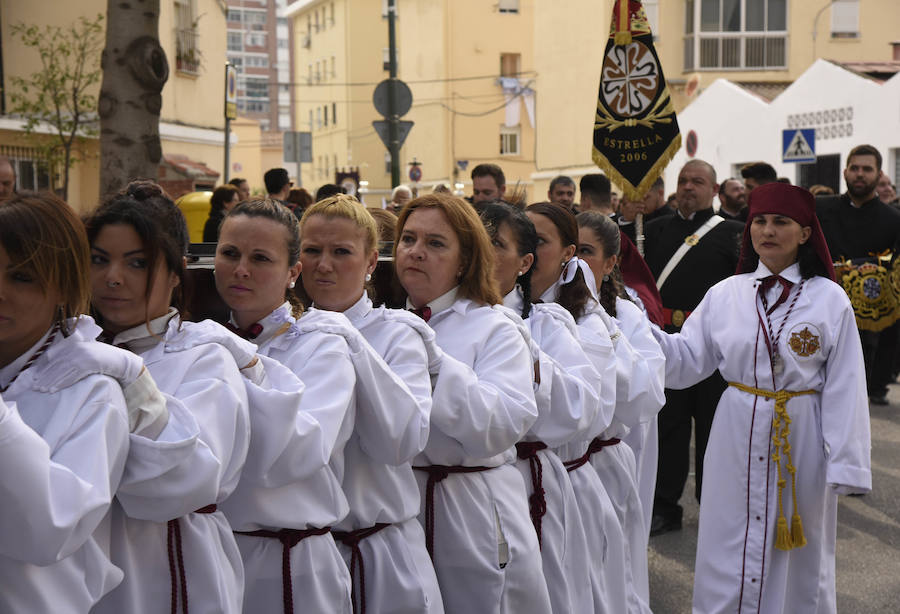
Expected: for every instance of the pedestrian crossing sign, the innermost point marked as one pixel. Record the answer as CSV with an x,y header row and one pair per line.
x,y
798,145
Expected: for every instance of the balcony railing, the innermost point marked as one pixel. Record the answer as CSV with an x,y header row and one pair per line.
x,y
735,51
187,52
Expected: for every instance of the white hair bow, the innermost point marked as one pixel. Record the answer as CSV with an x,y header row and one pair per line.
x,y
568,274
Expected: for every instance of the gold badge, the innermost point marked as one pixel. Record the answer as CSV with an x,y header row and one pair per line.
x,y
677,318
804,343
692,240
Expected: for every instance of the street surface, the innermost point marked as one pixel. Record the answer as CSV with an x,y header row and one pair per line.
x,y
868,535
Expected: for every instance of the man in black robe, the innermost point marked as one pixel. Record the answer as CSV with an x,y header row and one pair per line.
x,y
858,226
713,249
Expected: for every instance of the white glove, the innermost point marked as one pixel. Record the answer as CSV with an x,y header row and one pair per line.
x,y
119,364
147,411
432,349
208,331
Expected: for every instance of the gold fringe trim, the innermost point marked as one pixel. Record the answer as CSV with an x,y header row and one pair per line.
x,y
630,191
781,429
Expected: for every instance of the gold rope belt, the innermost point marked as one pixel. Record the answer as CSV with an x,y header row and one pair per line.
x,y
781,428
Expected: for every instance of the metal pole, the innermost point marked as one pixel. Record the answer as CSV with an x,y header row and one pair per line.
x,y
393,118
227,150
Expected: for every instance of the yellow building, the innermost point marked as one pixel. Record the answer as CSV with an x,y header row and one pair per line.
x,y
763,45
450,53
192,34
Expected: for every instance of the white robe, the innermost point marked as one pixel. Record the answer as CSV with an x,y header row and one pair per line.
x,y
292,485
611,577
63,446
639,397
480,410
196,461
378,478
568,402
738,569
643,440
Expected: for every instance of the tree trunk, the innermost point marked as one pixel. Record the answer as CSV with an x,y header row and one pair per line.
x,y
134,72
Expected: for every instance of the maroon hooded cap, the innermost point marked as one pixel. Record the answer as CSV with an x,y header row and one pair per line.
x,y
789,201
637,275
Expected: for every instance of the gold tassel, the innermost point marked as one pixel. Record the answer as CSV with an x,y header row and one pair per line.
x,y
782,535
798,539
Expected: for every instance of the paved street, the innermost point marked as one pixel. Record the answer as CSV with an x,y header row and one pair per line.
x,y
868,536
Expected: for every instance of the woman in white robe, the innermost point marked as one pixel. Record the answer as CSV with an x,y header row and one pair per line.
x,y
598,245
381,539
63,422
283,513
567,395
605,508
475,508
179,471
768,517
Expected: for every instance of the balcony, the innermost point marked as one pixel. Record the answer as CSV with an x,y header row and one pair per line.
x,y
187,53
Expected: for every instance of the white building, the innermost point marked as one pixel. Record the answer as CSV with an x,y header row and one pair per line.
x,y
734,125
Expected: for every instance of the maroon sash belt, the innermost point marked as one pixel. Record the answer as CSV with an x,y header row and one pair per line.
x,y
177,575
288,538
351,539
439,473
537,502
595,446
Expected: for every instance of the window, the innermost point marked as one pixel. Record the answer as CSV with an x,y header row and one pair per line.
x,y
316,25
234,15
331,19
508,6
31,171
509,140
325,114
310,119
256,61
845,19
319,118
256,88
256,39
284,121
334,112
187,53
265,124
735,34
254,106
509,64
234,41
255,20
333,67
309,77
237,61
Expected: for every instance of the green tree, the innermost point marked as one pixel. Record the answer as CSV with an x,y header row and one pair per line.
x,y
59,95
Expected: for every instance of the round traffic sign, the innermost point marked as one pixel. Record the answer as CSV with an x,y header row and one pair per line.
x,y
690,144
402,97
415,173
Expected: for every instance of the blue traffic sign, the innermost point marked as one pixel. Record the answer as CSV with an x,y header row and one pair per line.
x,y
798,145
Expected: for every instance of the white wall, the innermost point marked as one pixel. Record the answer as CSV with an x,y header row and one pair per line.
x,y
735,126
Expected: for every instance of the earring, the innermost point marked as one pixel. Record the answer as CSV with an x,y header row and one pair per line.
x,y
521,273
606,278
368,277
562,265
292,284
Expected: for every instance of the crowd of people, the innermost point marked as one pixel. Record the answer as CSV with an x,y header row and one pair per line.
x,y
499,425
